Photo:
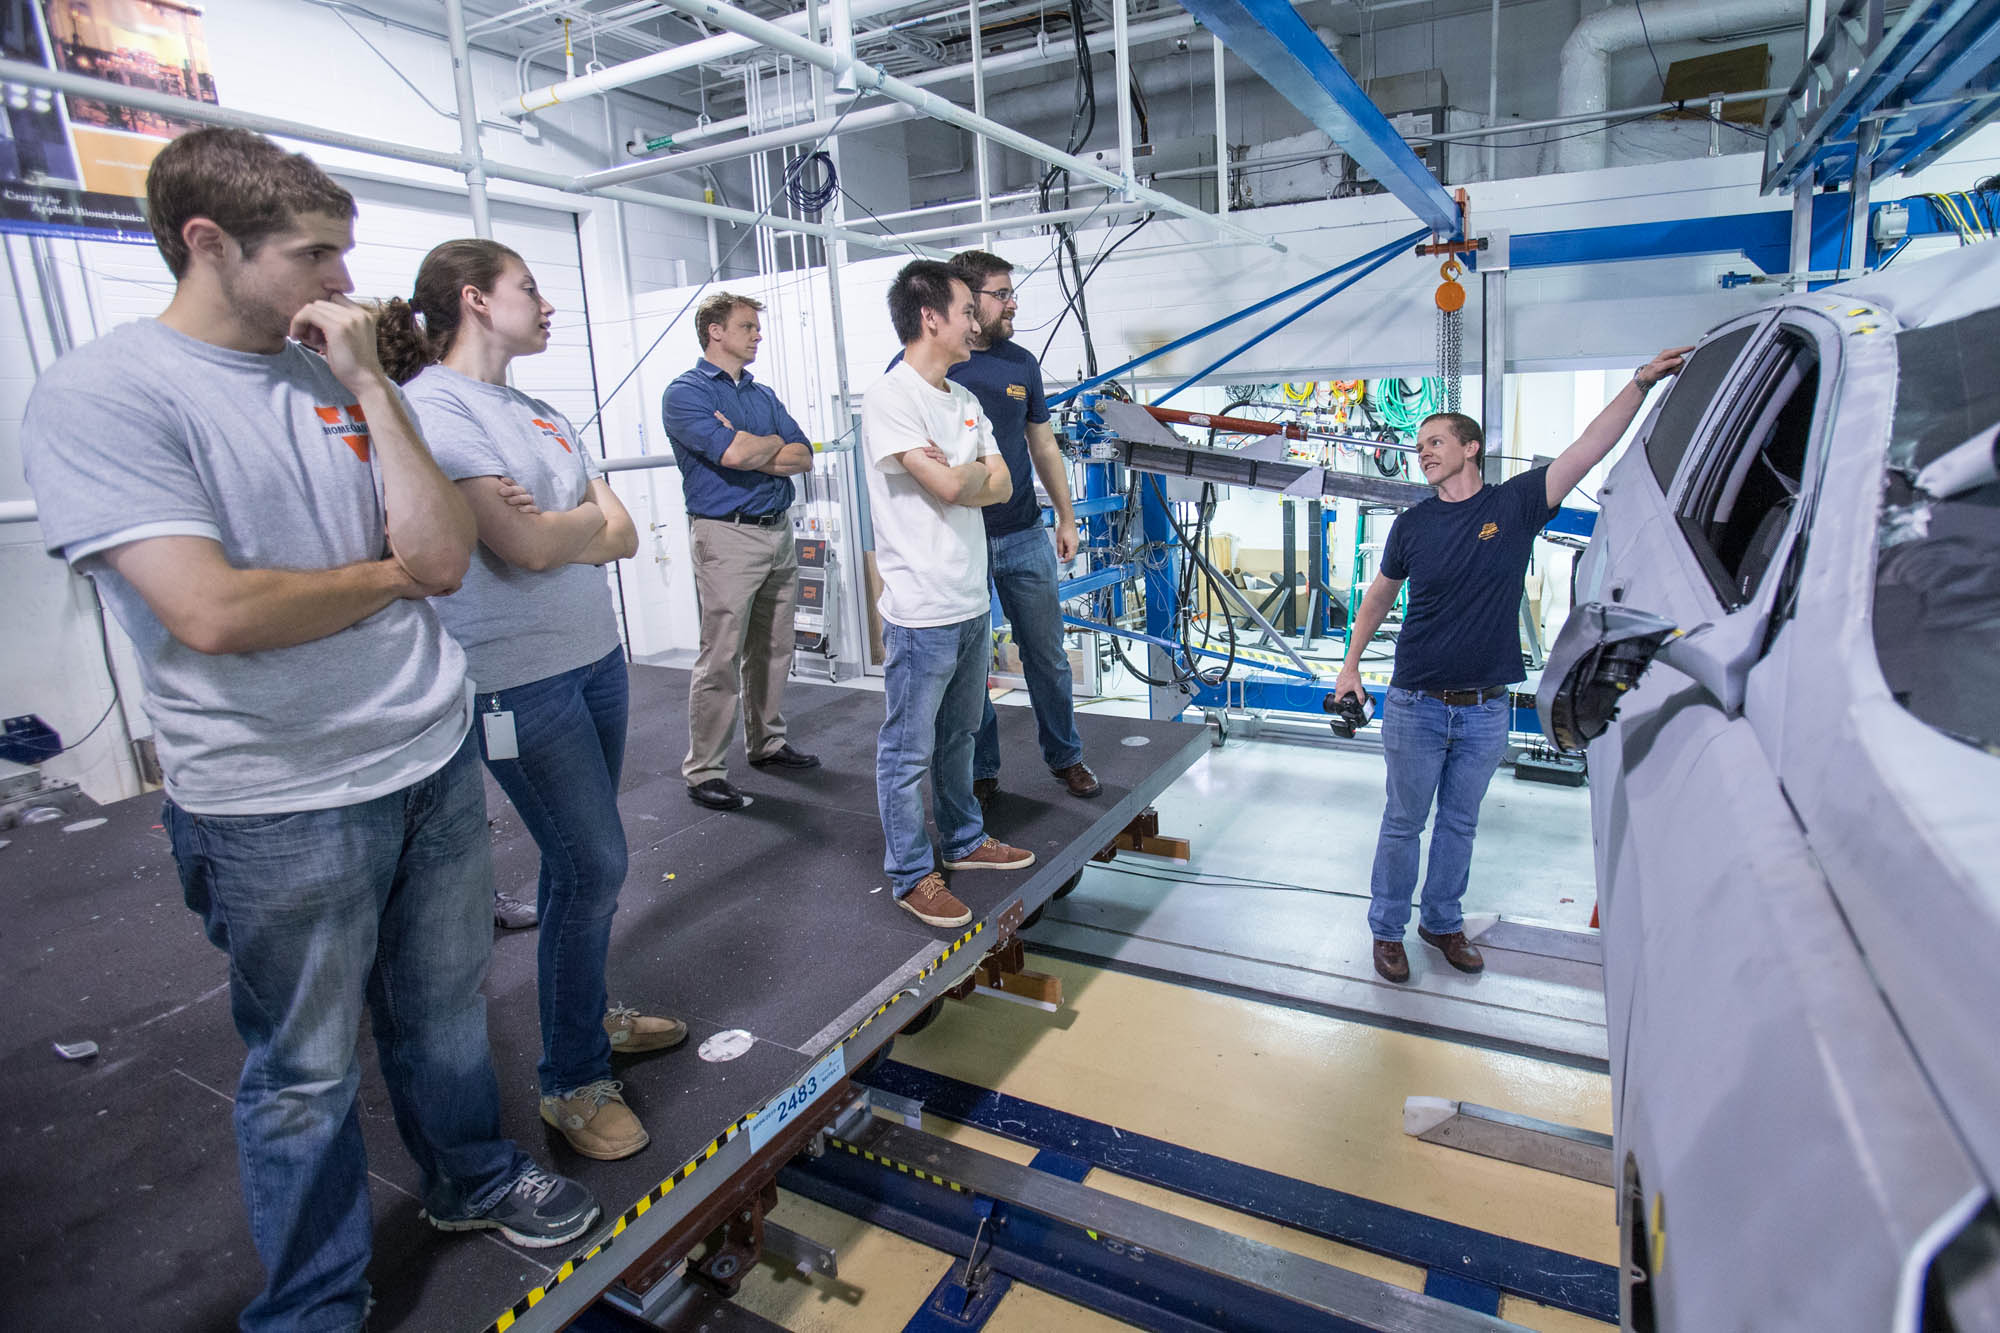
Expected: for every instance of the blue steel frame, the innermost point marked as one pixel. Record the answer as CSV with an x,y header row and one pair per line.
x,y
1141,1289
1272,39
1937,49
1486,1264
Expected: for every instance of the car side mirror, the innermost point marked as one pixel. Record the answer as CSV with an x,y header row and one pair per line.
x,y
1603,650
1599,656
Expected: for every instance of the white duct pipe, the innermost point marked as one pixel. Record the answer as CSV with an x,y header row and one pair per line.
x,y
709,50
1582,84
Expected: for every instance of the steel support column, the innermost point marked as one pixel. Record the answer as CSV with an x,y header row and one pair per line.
x,y
1493,366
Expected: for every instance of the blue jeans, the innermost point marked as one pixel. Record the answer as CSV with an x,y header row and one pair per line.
x,y
1431,750
390,903
570,731
1025,574
933,680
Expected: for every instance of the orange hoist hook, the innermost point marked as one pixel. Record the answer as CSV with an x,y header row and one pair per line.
x,y
1450,296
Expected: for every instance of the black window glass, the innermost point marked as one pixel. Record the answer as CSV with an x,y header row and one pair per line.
x,y
1937,572
1698,382
1736,510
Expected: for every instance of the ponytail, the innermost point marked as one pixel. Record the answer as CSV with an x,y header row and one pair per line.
x,y
412,334
400,340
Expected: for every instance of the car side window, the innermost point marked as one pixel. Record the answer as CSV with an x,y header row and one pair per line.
x,y
1736,509
1694,388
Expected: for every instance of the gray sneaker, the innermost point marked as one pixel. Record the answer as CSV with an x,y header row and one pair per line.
x,y
512,913
540,1209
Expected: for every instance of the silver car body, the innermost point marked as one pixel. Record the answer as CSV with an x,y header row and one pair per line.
x,y
1799,877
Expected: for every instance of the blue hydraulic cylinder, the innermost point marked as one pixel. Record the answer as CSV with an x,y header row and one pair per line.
x,y
1161,567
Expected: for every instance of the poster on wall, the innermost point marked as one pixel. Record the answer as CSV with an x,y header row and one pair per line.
x,y
76,166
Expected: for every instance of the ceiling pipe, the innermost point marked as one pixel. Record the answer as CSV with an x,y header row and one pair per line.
x,y
1026,58
789,43
1583,80
871,118
709,50
207,113
1026,221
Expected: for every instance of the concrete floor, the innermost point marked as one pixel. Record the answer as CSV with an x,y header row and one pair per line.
x,y
1283,832
1273,898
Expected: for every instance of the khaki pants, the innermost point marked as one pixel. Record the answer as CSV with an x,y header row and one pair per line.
x,y
745,581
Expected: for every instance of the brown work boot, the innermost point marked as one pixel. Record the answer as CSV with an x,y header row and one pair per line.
x,y
1079,779
632,1032
596,1121
993,855
1391,961
984,790
1459,951
931,903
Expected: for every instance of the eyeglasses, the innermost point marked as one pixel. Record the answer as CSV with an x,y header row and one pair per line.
x,y
1003,296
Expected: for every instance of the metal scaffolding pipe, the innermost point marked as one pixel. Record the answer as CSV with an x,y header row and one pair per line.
x,y
1026,58
770,34
207,113
468,118
744,147
1221,128
707,51
979,146
998,224
1121,66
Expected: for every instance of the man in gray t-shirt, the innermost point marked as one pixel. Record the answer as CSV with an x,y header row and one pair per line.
x,y
266,523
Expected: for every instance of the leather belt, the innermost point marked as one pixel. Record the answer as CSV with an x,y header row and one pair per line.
x,y
747,520
1465,698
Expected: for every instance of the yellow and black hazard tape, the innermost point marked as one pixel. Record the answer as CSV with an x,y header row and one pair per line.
x,y
868,1155
660,1191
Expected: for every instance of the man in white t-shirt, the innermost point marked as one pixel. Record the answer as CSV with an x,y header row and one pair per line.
x,y
933,465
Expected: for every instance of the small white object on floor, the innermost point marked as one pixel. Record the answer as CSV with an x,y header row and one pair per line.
x,y
725,1046
75,1050
1136,741
1424,1114
80,825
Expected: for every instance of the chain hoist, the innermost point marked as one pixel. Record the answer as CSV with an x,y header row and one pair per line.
x,y
1450,331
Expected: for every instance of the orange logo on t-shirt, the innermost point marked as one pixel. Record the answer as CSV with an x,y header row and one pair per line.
x,y
1489,532
971,424
347,425
549,429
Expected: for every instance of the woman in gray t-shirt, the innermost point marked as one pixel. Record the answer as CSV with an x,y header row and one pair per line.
x,y
534,616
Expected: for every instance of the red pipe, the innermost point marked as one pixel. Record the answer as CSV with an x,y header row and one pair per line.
x,y
1228,425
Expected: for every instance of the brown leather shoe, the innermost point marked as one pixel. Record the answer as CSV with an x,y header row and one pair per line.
x,y
596,1121
632,1032
1079,779
984,790
1391,961
993,855
932,903
1459,951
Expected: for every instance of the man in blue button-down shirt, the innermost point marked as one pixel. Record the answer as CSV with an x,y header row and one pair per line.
x,y
738,450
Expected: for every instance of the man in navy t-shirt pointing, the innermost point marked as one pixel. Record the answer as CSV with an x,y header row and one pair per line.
x,y
1445,718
